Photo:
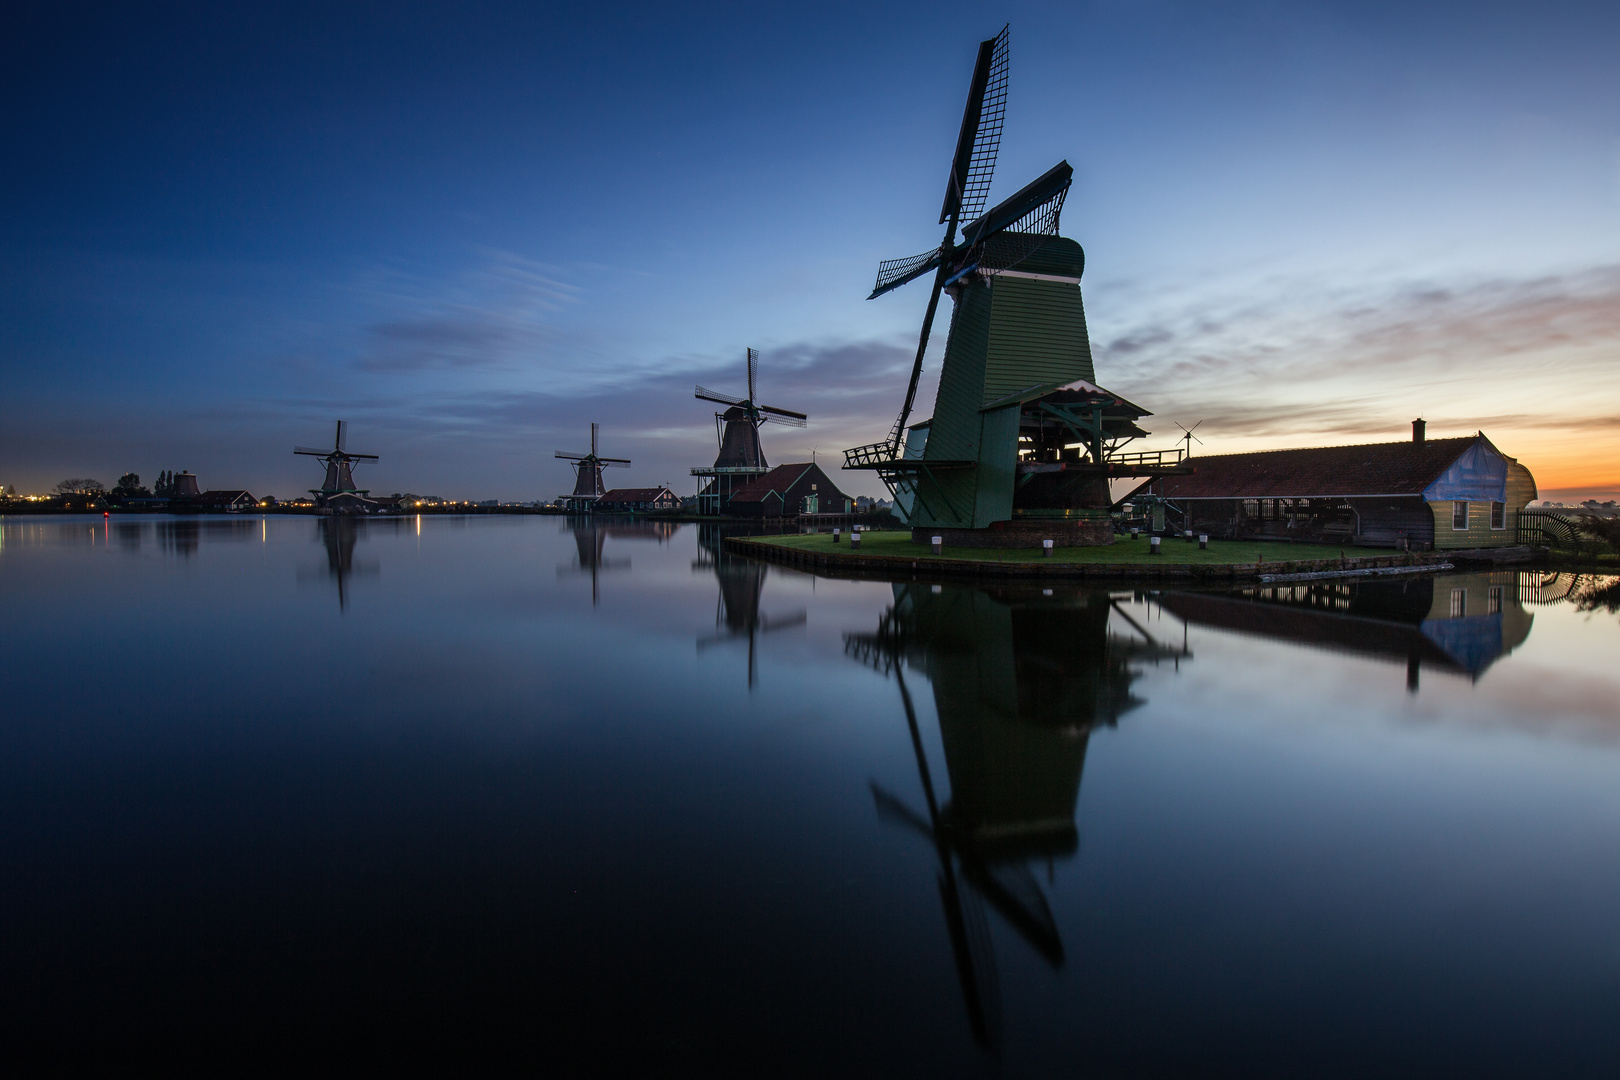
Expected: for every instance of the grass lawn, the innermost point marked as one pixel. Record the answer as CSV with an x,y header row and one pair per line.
x,y
1221,552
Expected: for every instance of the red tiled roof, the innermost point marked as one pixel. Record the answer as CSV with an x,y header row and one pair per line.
x,y
1397,468
777,480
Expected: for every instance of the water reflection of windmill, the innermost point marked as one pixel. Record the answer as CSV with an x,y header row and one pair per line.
x,y
736,611
338,534
589,539
1020,679
588,486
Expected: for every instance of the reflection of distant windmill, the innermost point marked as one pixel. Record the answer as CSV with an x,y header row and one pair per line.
x,y
1015,722
338,489
741,457
339,536
588,486
589,538
736,613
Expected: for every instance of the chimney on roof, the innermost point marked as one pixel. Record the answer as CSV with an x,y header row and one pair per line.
x,y
1418,430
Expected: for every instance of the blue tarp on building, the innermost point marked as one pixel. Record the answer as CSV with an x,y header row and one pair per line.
x,y
1478,475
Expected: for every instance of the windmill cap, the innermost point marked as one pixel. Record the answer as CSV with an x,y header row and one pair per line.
x,y
1057,256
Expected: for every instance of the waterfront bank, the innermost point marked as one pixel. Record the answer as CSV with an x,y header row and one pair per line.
x,y
893,553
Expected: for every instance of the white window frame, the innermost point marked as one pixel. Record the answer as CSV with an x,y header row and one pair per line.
x,y
1463,504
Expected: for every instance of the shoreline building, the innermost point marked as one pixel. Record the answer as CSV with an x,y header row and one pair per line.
x,y
636,501
789,491
1424,494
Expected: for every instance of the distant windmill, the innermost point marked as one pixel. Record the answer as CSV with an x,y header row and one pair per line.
x,y
739,443
588,468
1189,438
338,489
737,430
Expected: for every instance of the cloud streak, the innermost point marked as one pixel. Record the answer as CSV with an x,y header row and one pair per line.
x,y
495,317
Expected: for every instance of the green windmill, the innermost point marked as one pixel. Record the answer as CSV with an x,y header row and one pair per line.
x,y
1022,441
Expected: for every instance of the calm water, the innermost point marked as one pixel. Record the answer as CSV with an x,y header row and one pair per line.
x,y
290,790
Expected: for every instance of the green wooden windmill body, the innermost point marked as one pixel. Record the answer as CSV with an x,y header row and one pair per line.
x,y
1014,336
1022,439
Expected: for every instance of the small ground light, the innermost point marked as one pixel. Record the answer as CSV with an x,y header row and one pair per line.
x,y
855,539
835,536
1046,548
1153,545
1203,541
939,544
1135,533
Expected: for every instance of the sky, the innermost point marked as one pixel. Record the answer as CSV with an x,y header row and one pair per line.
x,y
473,229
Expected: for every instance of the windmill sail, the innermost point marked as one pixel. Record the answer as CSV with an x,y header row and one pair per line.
x,y
893,273
968,186
1035,207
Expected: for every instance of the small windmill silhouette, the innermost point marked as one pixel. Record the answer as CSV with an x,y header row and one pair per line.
x,y
1189,438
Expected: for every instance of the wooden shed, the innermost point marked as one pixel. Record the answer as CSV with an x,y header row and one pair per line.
x,y
788,491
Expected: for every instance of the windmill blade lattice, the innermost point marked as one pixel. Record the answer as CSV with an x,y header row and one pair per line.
x,y
894,273
721,399
979,140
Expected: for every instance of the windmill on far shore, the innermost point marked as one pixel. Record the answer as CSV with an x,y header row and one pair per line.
x,y
338,492
741,457
588,486
1188,437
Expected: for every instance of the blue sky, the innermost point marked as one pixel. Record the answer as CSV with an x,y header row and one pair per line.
x,y
471,230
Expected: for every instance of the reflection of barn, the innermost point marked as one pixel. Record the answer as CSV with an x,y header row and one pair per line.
x,y
1020,679
1429,493
1459,623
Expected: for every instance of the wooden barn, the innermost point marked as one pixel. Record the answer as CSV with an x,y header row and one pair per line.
x,y
788,491
1423,494
636,501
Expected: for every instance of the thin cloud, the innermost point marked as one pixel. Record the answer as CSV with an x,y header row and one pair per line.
x,y
497,316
